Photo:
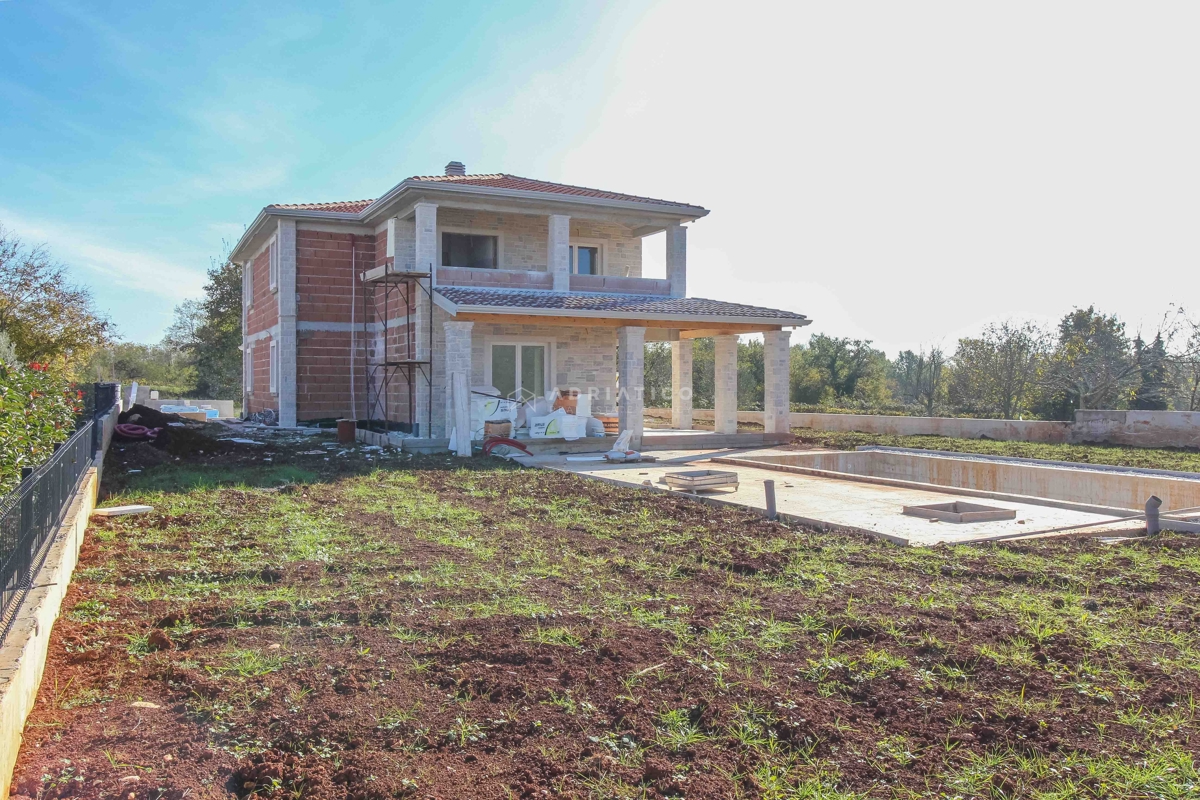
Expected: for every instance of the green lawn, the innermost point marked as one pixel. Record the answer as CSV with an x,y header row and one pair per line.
x,y
471,629
1183,460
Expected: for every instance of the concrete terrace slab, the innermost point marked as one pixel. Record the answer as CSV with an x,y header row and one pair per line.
x,y
845,504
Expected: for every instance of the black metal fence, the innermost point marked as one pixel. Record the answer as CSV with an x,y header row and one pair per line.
x,y
31,513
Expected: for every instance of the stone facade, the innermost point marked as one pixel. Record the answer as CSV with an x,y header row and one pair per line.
x,y
525,240
631,349
725,384
776,381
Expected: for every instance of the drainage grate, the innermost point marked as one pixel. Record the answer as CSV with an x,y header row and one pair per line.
x,y
960,512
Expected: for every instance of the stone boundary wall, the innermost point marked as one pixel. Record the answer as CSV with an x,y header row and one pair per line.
x,y
1129,428
1138,428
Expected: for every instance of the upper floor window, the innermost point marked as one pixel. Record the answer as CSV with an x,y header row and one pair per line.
x,y
470,250
585,259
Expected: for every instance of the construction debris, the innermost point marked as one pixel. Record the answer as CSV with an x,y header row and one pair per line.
x,y
121,511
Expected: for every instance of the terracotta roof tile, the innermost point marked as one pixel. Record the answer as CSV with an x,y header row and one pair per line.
x,y
616,303
505,181
341,206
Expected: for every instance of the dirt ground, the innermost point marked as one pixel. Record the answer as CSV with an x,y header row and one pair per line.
x,y
300,620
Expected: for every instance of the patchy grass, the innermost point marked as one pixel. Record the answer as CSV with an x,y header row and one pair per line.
x,y
1113,455
469,629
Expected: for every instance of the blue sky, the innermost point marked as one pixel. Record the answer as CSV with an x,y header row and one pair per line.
x,y
871,165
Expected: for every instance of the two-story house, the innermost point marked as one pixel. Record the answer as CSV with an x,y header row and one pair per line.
x,y
365,309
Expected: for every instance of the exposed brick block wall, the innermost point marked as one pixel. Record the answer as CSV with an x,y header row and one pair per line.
x,y
323,274
323,365
264,305
260,399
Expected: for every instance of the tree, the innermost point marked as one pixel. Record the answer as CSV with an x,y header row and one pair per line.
x,y
658,375
47,318
1153,393
751,380
844,364
1092,363
210,330
996,374
921,377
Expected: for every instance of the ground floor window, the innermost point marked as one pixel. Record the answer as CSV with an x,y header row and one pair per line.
x,y
519,370
470,250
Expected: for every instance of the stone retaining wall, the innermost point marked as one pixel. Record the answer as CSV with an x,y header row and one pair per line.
x,y
1130,428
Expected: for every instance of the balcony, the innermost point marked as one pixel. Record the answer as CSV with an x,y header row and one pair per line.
x,y
538,279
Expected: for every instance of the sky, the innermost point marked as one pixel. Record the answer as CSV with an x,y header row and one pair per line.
x,y
899,172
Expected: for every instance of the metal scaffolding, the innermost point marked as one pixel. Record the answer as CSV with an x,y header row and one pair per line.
x,y
387,370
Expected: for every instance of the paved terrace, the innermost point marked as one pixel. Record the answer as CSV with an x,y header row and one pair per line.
x,y
843,504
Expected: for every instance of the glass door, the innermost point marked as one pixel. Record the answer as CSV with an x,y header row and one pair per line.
x,y
519,370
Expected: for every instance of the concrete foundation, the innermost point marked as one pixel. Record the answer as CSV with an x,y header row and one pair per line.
x,y
1098,489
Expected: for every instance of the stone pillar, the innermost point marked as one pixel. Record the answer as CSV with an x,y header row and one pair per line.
x,y
425,252
631,368
681,385
725,384
425,231
286,243
559,251
777,370
677,259
455,357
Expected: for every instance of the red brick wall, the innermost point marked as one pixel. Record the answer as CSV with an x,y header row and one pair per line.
x,y
324,296
264,306
262,315
261,398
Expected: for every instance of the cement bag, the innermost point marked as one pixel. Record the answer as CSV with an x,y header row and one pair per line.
x,y
558,425
595,427
490,409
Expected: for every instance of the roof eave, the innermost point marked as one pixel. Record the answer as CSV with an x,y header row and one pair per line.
x,y
706,319
255,228
681,211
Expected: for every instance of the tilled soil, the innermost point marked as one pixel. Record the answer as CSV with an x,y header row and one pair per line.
x,y
441,631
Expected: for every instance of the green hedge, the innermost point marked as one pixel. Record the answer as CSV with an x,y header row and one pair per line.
x,y
37,411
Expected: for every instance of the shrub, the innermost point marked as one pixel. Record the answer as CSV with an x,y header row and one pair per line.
x,y
37,411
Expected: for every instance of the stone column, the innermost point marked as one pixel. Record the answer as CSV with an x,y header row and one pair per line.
x,y
677,259
559,252
286,242
631,367
776,382
725,384
455,357
425,260
681,385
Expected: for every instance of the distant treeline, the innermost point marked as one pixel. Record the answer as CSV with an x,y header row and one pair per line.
x,y
1010,370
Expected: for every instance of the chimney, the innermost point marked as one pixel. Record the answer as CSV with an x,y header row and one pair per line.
x,y
456,168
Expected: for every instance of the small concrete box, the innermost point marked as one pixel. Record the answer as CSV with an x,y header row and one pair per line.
x,y
960,512
701,480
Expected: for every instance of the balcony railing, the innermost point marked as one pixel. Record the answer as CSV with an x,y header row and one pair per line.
x,y
540,279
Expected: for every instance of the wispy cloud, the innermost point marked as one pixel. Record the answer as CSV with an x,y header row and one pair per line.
x,y
130,268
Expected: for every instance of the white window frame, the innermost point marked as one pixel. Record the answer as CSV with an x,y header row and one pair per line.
x,y
499,235
597,243
549,344
273,264
274,369
248,284
249,376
